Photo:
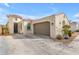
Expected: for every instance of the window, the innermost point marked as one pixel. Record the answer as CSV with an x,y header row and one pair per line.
x,y
29,26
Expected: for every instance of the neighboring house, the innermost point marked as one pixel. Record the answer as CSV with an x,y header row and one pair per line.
x,y
15,24
74,26
50,25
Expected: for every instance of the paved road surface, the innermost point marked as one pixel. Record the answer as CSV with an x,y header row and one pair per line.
x,y
36,45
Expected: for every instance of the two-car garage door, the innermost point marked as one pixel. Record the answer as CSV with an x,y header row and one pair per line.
x,y
42,28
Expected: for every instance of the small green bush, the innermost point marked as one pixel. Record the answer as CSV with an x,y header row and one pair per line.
x,y
5,30
66,29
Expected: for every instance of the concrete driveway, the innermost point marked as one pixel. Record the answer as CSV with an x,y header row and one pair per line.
x,y
36,45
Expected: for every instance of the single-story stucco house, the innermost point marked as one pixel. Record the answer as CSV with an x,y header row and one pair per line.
x,y
50,25
74,26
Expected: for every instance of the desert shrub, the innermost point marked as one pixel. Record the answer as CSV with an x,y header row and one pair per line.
x,y
59,37
5,30
66,29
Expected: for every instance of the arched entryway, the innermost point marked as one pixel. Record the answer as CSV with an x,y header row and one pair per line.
x,y
15,27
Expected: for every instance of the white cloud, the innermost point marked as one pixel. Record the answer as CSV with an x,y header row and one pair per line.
x,y
6,4
76,18
76,15
54,9
3,19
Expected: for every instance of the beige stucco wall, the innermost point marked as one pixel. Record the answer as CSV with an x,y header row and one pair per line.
x,y
11,25
25,31
59,23
20,27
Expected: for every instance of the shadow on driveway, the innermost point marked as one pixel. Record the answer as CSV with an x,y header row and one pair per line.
x,y
20,36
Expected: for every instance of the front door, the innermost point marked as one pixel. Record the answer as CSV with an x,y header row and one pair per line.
x,y
15,27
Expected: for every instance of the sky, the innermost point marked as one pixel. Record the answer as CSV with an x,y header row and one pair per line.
x,y
38,10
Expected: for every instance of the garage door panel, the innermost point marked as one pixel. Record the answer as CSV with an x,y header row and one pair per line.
x,y
42,28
